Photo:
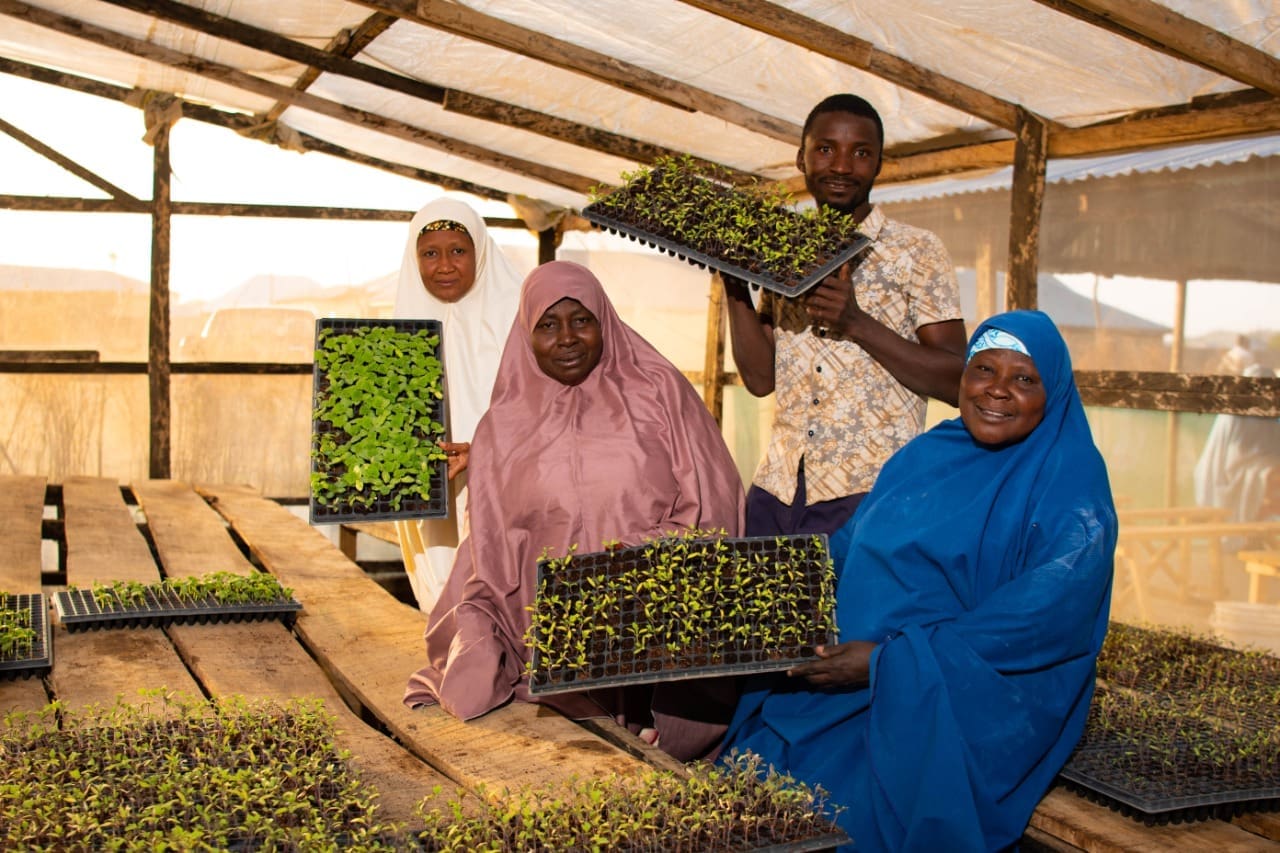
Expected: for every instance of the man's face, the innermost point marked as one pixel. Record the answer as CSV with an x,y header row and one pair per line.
x,y
840,158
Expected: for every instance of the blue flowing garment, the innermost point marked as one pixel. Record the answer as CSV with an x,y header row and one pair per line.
x,y
985,576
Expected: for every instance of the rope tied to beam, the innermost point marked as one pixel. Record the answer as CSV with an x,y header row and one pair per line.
x,y
159,110
275,133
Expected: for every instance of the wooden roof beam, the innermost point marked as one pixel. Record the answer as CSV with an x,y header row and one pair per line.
x,y
1176,127
123,196
303,100
463,103
1161,28
782,23
347,43
460,20
239,122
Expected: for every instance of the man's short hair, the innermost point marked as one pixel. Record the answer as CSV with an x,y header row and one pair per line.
x,y
844,103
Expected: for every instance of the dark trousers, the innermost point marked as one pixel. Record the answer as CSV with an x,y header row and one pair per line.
x,y
768,516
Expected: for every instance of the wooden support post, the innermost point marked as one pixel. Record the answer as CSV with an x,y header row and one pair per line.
x,y
713,369
984,273
1171,428
548,239
158,334
1030,158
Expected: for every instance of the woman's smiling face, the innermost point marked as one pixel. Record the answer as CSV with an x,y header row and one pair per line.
x,y
447,264
1001,396
566,342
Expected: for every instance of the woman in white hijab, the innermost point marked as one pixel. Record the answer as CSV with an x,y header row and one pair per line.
x,y
453,271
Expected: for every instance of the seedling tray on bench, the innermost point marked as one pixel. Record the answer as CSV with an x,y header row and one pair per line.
x,y
1180,729
79,610
25,662
790,287
1093,772
679,608
390,433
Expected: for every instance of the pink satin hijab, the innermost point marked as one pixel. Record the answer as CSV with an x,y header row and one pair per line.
x,y
629,453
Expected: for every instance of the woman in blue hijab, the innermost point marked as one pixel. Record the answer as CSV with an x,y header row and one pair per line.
x,y
973,599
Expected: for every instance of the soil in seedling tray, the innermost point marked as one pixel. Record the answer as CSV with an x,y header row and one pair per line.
x,y
32,655
378,409
686,211
679,608
79,610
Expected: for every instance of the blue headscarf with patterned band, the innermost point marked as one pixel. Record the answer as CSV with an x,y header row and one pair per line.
x,y
985,576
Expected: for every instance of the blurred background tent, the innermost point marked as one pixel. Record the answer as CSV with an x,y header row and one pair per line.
x,y
1112,161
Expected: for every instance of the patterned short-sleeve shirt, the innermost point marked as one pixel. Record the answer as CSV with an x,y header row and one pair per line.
x,y
837,407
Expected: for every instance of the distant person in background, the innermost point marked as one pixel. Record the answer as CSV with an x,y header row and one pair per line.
x,y
1239,468
853,360
1237,359
453,271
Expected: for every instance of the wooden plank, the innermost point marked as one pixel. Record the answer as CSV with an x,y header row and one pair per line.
x,y
1201,530
264,660
370,643
22,508
82,356
190,537
103,542
96,667
1089,826
22,696
1265,825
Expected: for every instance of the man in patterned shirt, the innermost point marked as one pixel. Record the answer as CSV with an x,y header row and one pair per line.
x,y
853,359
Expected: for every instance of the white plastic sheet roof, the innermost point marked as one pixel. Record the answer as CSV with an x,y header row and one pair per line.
x,y
1024,52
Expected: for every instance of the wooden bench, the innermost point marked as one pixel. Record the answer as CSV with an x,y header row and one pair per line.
x,y
1159,542
353,646
1259,565
349,535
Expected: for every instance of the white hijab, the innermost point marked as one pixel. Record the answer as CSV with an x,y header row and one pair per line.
x,y
476,326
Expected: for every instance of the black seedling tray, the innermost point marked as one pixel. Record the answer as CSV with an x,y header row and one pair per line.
x,y
380,509
79,611
795,288
808,845
1092,773
613,656
40,661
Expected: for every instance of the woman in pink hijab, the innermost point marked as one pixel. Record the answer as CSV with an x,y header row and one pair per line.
x,y
591,436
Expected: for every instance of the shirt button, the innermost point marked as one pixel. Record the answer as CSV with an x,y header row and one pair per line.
x,y
819,368
815,401
810,433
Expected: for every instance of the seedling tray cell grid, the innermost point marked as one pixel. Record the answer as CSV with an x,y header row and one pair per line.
x,y
684,253
680,608
79,610
38,659
365,503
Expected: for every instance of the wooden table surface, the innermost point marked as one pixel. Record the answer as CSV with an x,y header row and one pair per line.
x,y
353,646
